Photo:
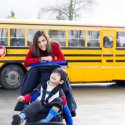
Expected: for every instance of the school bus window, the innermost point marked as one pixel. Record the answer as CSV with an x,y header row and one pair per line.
x,y
76,38
93,39
31,33
107,42
16,37
58,35
3,36
120,39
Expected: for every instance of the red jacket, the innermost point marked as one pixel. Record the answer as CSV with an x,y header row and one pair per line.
x,y
56,55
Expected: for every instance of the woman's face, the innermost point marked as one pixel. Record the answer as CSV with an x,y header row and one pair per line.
x,y
42,43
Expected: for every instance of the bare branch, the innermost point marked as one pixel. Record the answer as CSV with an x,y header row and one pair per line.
x,y
69,9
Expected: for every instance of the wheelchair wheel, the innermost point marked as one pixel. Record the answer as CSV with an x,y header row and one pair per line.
x,y
49,123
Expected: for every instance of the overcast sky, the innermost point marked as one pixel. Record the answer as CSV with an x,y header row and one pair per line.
x,y
105,12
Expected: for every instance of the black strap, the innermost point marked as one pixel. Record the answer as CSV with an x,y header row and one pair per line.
x,y
53,92
44,92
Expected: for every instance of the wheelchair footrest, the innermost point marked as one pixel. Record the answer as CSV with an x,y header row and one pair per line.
x,y
49,123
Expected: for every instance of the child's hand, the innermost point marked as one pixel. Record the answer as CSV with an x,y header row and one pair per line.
x,y
21,99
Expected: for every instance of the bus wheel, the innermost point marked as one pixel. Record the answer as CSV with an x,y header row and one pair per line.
x,y
12,76
120,82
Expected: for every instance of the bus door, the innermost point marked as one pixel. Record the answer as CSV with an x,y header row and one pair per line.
x,y
108,46
108,38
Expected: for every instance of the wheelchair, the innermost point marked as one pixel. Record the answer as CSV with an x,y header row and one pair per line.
x,y
41,73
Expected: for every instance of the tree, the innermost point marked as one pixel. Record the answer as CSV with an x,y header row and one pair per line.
x,y
69,10
12,14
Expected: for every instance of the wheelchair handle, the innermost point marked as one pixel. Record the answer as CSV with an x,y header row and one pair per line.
x,y
62,63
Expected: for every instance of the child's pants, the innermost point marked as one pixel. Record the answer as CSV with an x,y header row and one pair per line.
x,y
37,107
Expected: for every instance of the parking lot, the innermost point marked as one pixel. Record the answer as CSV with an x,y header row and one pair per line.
x,y
97,105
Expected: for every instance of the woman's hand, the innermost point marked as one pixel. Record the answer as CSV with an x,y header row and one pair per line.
x,y
49,58
43,59
21,99
46,59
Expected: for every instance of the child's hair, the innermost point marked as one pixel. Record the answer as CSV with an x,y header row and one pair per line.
x,y
62,73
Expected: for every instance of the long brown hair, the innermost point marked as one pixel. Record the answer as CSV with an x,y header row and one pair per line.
x,y
36,50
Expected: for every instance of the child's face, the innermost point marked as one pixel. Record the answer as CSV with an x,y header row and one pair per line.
x,y
55,78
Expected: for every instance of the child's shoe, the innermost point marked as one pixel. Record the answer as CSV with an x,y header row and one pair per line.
x,y
16,120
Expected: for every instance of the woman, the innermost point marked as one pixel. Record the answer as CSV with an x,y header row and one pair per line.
x,y
43,50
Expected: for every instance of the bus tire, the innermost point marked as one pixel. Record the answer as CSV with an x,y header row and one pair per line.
x,y
12,76
120,82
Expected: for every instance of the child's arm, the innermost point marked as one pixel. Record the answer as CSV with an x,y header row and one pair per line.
x,y
32,96
29,97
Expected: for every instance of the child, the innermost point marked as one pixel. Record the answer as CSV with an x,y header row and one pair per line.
x,y
47,96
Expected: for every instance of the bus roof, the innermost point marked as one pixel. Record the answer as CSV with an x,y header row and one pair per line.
x,y
57,22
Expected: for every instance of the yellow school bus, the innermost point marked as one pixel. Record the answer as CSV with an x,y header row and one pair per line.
x,y
95,53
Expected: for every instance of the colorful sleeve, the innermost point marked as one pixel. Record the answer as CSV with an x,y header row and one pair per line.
x,y
31,97
59,54
29,58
